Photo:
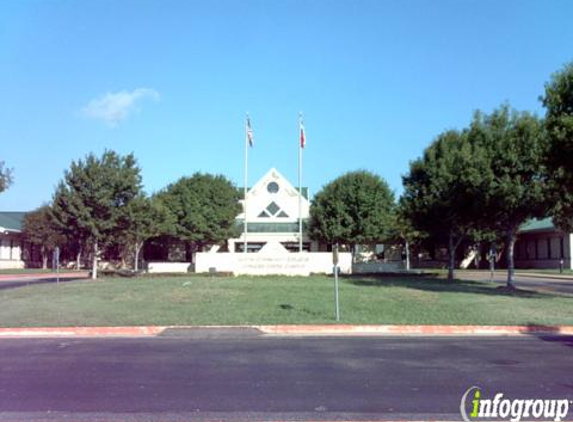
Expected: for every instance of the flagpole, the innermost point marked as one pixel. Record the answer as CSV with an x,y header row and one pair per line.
x,y
300,183
246,182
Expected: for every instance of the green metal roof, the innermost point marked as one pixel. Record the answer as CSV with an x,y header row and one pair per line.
x,y
274,227
12,220
304,192
545,224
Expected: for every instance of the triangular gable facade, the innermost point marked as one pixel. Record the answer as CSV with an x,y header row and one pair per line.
x,y
273,199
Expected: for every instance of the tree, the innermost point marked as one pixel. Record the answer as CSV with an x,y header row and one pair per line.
x,y
443,191
204,208
5,177
355,208
558,101
144,218
40,229
403,231
93,198
515,145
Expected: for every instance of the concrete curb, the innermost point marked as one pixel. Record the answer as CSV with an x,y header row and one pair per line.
x,y
421,330
299,330
81,331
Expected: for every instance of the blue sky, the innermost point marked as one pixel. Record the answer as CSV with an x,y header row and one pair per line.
x,y
171,82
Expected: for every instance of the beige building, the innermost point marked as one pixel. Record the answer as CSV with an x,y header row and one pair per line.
x,y
273,216
541,245
11,240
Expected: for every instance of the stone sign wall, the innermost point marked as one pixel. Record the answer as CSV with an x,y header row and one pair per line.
x,y
271,263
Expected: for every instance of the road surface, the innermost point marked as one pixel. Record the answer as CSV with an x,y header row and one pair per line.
x,y
251,377
11,281
545,283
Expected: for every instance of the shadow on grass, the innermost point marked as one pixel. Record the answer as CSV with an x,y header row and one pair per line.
x,y
433,284
304,310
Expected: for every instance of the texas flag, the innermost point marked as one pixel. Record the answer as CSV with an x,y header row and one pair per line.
x,y
249,130
302,134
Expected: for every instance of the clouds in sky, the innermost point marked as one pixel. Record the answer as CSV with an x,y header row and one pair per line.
x,y
114,107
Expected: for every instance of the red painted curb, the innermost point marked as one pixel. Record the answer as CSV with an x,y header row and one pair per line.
x,y
416,329
80,331
302,330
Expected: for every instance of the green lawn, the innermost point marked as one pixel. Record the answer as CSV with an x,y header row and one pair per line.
x,y
275,300
35,271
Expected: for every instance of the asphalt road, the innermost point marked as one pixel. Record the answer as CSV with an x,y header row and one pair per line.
x,y
548,283
12,281
249,377
16,283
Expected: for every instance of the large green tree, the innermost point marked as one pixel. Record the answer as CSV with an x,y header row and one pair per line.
x,y
443,191
93,198
204,207
354,209
515,145
144,218
5,177
40,229
558,101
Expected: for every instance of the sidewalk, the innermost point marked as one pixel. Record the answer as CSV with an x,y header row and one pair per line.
x,y
555,276
518,273
43,276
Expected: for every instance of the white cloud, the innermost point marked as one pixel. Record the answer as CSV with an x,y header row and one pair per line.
x,y
114,107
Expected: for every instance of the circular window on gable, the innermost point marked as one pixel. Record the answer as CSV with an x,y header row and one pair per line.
x,y
273,187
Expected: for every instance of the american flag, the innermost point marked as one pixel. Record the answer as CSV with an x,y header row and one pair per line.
x,y
249,132
302,134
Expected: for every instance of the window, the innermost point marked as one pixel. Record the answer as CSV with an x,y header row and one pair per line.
x,y
273,208
273,187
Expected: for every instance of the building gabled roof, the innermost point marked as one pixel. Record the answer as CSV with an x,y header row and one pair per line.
x,y
535,225
274,172
11,221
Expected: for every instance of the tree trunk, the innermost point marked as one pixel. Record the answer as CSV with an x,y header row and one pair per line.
x,y
44,258
79,258
188,252
491,261
477,259
94,262
451,257
510,239
407,246
138,247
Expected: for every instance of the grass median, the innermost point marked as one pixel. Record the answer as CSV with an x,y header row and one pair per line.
x,y
202,300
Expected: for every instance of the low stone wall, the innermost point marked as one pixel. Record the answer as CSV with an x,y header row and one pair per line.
x,y
293,264
11,264
169,267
